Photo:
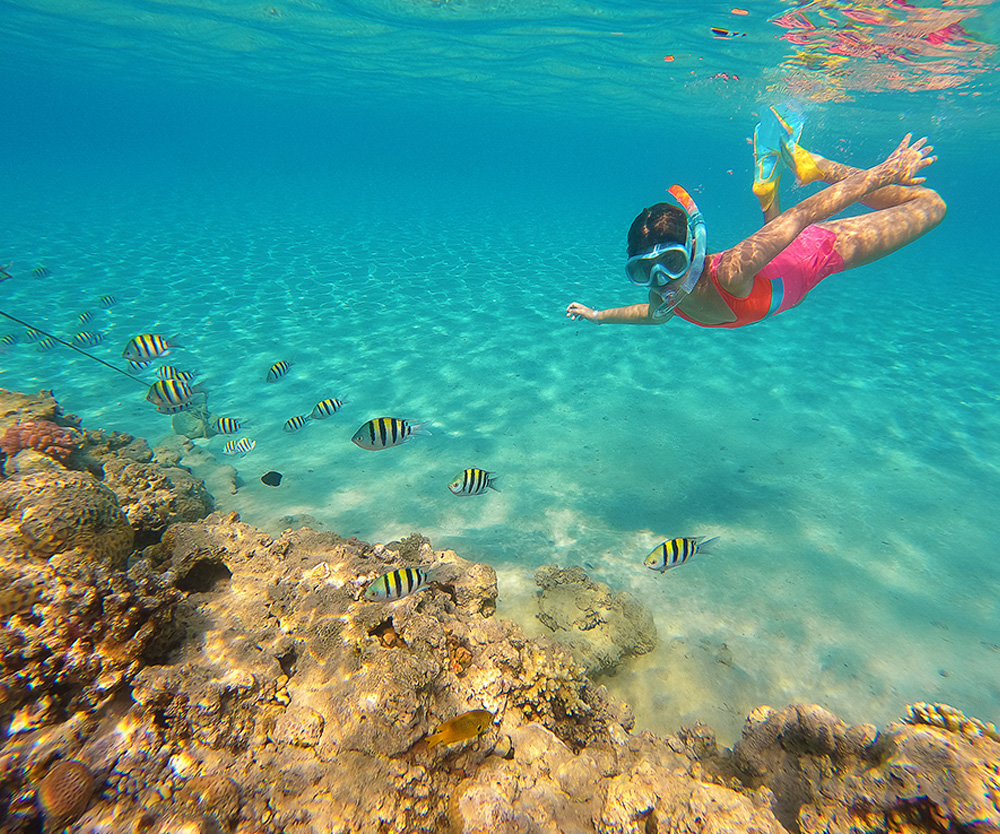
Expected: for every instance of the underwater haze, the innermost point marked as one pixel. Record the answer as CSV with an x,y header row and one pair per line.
x,y
401,198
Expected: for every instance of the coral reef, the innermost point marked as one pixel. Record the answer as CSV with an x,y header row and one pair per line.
x,y
43,436
600,626
234,683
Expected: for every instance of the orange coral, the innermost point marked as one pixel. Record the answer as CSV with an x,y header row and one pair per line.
x,y
42,435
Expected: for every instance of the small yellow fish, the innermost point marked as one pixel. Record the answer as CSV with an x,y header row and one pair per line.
x,y
461,727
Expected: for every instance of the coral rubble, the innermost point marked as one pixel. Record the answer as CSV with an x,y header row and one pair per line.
x,y
195,674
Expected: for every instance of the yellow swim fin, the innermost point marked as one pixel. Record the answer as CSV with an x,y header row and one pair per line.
x,y
767,163
797,158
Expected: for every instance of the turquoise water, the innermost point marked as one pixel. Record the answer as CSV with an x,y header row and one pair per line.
x,y
402,198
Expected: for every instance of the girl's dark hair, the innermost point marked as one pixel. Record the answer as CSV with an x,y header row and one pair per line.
x,y
662,223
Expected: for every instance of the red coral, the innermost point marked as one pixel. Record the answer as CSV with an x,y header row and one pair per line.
x,y
42,436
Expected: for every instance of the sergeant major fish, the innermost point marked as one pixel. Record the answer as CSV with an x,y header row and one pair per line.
x,y
171,395
398,583
677,551
383,432
295,423
228,425
473,482
170,372
242,447
85,338
148,346
325,408
277,370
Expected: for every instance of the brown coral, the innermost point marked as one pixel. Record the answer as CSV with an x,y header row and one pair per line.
x,y
43,513
41,435
65,793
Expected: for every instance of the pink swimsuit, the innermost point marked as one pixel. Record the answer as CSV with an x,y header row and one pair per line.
x,y
784,282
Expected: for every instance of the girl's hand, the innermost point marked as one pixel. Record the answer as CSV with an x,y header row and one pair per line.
x,y
579,311
903,164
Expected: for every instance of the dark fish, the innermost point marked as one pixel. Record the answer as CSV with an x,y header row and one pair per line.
x,y
3,461
271,478
41,272
718,32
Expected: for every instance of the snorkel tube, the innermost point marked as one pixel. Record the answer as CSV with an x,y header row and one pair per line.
x,y
672,292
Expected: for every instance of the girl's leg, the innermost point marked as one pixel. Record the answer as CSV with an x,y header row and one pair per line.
x,y
902,214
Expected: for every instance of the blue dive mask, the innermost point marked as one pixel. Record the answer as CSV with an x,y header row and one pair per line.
x,y
672,269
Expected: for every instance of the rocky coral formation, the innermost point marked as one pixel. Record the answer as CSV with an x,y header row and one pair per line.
x,y
938,774
600,626
153,494
295,705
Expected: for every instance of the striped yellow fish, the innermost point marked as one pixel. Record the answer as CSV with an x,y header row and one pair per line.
x,y
473,482
148,346
86,317
277,370
244,446
107,302
324,409
295,423
45,344
87,339
383,432
41,272
398,583
228,425
170,372
170,395
677,551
